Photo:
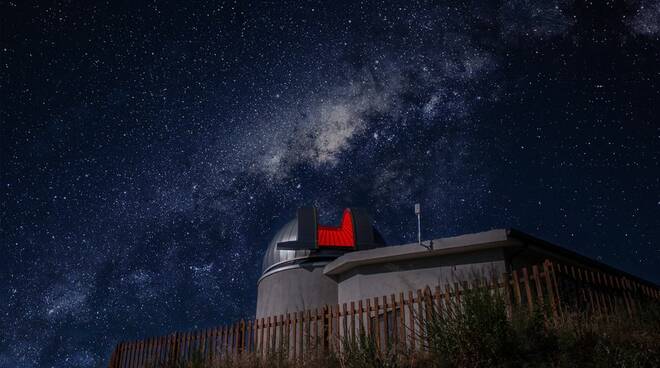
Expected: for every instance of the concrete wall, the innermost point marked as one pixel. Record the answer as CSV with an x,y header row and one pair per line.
x,y
295,289
370,281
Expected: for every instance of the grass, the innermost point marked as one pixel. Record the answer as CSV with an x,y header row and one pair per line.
x,y
480,333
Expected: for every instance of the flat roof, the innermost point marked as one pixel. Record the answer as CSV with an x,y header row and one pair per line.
x,y
497,238
456,244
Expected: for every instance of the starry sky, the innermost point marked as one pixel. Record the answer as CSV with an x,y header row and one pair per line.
x,y
149,150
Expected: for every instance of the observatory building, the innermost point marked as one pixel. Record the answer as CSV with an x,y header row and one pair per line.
x,y
308,265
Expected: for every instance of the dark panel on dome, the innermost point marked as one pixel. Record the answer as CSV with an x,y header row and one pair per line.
x,y
306,237
364,233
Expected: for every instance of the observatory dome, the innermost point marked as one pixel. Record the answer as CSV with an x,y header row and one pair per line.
x,y
292,277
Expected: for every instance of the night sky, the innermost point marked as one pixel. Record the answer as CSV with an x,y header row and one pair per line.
x,y
149,151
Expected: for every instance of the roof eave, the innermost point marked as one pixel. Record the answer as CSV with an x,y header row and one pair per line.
x,y
497,238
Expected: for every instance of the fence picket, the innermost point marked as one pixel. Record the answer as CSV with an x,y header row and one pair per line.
x,y
402,322
360,319
369,322
386,324
550,288
337,327
516,288
150,351
420,315
528,290
537,282
344,320
437,297
308,330
411,311
301,317
395,327
352,322
315,333
377,322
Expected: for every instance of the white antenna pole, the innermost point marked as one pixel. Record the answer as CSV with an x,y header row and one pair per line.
x,y
418,212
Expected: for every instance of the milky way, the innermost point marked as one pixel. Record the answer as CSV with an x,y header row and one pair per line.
x,y
150,151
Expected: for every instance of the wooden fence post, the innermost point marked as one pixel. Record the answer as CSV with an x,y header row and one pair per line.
x,y
323,330
126,359
307,323
369,322
337,328
386,323
516,288
411,311
301,331
175,347
211,340
528,290
180,346
329,321
555,284
377,323
395,320
449,307
624,293
286,341
213,344
428,308
294,332
130,356
402,321
420,318
360,319
139,352
136,353
150,351
281,335
592,286
537,282
550,289
345,335
128,350
325,319
248,337
315,331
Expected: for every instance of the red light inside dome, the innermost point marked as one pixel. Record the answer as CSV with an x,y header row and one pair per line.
x,y
342,236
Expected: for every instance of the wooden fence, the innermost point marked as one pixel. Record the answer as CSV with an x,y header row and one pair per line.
x,y
392,322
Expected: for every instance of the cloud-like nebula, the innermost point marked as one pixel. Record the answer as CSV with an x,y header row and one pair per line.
x,y
645,19
376,98
524,19
65,299
328,125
